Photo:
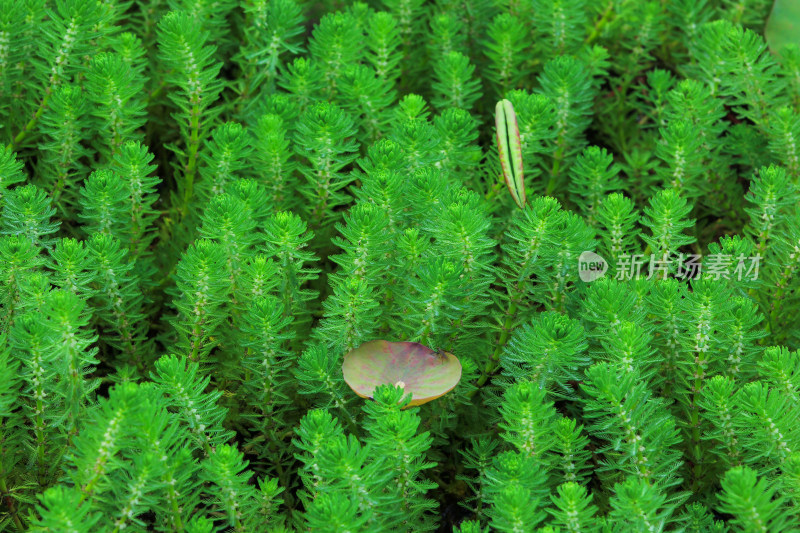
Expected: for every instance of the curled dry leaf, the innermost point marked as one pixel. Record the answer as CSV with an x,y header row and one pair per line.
x,y
509,146
425,373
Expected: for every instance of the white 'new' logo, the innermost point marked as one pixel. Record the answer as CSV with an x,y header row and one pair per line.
x,y
591,266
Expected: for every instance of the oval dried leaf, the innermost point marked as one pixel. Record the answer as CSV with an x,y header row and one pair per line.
x,y
423,372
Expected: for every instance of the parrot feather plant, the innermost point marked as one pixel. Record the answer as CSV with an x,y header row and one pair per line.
x,y
231,230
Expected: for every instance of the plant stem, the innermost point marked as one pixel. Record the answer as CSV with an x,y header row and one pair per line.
x,y
32,122
600,24
10,503
191,164
491,364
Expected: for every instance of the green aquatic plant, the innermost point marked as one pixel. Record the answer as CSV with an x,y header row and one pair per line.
x,y
213,212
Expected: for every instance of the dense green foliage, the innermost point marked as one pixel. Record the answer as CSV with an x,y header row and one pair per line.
x,y
205,204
